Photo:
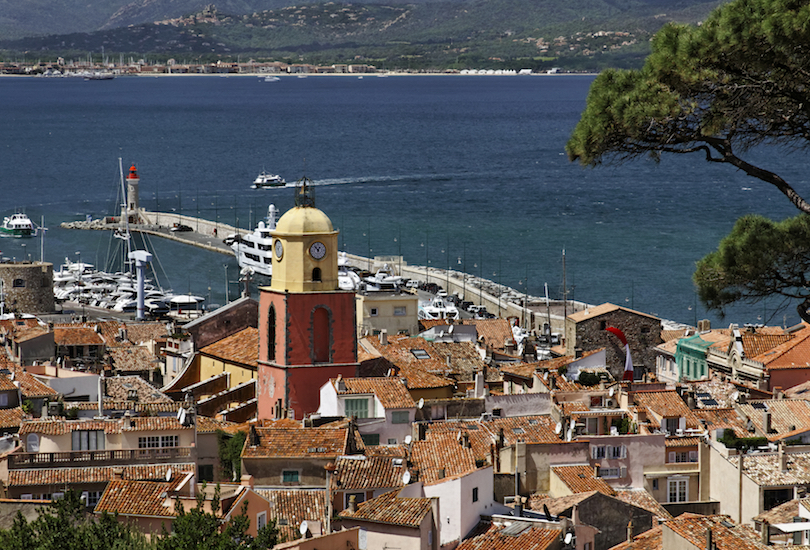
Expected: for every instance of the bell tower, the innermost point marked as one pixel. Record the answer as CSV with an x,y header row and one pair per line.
x,y
306,323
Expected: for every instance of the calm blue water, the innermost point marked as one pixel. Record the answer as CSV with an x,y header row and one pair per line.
x,y
454,170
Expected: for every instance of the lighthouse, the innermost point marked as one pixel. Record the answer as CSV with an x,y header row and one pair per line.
x,y
132,206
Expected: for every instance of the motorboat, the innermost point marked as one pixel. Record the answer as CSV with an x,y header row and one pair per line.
x,y
254,250
348,279
436,309
266,179
18,225
384,279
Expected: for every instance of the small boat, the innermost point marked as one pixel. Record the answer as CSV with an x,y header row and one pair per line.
x,y
99,76
264,180
271,79
18,225
254,250
437,309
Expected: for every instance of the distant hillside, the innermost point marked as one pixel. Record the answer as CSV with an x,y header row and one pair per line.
x,y
584,34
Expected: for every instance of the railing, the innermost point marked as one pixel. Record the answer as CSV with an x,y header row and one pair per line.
x,y
108,457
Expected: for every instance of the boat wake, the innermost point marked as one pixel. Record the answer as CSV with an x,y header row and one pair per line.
x,y
382,179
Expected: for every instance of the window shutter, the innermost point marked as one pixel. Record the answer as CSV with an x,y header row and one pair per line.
x,y
593,452
609,451
624,451
623,471
671,457
693,457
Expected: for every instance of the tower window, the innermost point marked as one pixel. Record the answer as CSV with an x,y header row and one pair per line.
x,y
316,275
271,334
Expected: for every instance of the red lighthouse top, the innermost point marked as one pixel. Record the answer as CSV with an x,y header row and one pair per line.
x,y
133,173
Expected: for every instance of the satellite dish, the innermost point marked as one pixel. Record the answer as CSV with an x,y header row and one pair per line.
x,y
406,478
546,512
545,375
611,392
179,412
568,538
408,440
458,436
421,403
303,528
734,396
450,330
557,428
169,474
182,417
570,433
390,373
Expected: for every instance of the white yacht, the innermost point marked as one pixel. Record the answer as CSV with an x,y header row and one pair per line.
x,y
437,308
254,250
268,180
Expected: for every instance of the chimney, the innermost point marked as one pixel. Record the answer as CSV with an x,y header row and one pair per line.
x,y
518,506
766,533
465,440
341,385
384,337
247,481
441,473
766,421
709,541
630,531
352,504
118,474
782,457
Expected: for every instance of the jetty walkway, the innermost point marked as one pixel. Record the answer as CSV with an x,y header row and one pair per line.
x,y
531,311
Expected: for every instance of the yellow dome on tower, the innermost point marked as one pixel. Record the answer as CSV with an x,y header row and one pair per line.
x,y
303,220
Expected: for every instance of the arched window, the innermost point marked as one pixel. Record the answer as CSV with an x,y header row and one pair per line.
x,y
271,333
32,443
321,335
316,275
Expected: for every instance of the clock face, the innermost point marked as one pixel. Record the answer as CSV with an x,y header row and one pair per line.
x,y
317,250
279,249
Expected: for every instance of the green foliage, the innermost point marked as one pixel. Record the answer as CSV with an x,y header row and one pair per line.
x,y
735,82
230,453
589,378
743,444
759,258
65,524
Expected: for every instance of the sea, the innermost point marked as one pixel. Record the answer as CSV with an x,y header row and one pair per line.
x,y
466,172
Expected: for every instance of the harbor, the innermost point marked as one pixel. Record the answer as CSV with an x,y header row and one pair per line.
x,y
533,313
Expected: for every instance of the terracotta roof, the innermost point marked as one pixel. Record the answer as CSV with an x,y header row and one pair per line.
x,y
792,354
757,346
76,336
207,425
789,417
134,406
25,334
422,372
680,441
529,538
132,359
360,472
722,419
137,498
441,453
241,348
643,499
123,388
6,384
389,508
289,507
602,309
648,540
491,332
60,426
391,392
299,443
99,474
667,404
557,505
764,468
461,360
581,479
11,418
692,528
30,386
784,513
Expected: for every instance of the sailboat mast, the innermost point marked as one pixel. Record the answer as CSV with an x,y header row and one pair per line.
x,y
565,290
126,264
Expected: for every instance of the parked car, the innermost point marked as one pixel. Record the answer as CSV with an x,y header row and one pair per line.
x,y
181,227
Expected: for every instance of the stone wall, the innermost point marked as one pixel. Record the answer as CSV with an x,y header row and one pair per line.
x,y
28,287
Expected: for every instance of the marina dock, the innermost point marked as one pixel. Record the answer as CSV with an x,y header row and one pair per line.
x,y
531,311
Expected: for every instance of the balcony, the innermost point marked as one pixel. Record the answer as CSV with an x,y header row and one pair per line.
x,y
108,457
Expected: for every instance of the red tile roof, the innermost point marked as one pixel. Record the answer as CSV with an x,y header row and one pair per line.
x,y
442,454
289,507
76,336
391,392
11,418
360,472
299,443
60,426
389,508
132,359
100,474
648,540
692,528
241,348
789,417
137,498
581,479
530,538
